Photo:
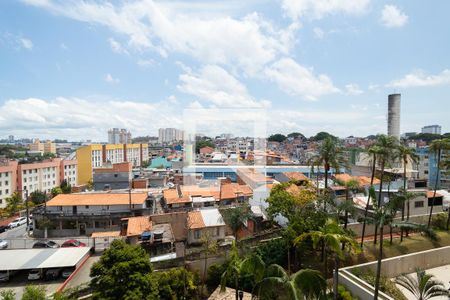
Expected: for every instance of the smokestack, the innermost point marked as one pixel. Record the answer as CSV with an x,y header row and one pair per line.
x,y
394,115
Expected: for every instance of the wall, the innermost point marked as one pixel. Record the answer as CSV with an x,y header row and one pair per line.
x,y
216,233
178,221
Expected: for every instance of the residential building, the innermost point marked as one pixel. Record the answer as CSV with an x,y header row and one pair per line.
x,y
11,139
39,176
119,136
95,155
204,222
112,176
85,213
433,129
45,147
68,171
168,135
8,180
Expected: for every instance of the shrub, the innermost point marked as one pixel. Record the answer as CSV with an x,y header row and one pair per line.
x,y
344,294
439,221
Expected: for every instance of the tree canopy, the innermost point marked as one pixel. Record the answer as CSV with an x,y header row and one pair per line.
x,y
322,136
295,135
278,137
203,143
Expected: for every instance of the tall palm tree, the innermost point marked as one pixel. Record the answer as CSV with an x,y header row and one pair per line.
x,y
331,235
209,246
384,216
374,150
277,284
330,156
348,206
406,154
388,145
437,146
423,286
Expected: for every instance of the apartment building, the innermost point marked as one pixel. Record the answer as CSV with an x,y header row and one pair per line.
x,y
44,147
168,135
39,176
119,136
96,155
8,180
68,171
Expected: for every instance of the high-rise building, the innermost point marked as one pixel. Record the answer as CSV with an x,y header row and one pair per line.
x,y
394,115
11,139
96,155
433,129
119,136
168,135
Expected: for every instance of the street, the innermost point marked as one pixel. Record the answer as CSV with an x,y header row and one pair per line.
x,y
18,232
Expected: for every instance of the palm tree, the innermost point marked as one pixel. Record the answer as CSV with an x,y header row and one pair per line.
x,y
374,150
423,286
209,246
384,216
437,146
348,206
387,145
405,154
330,156
331,235
277,284
235,217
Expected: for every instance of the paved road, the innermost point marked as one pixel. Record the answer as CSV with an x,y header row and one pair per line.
x,y
18,232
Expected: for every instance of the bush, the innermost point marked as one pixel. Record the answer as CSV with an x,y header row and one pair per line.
x,y
273,252
344,294
439,221
386,285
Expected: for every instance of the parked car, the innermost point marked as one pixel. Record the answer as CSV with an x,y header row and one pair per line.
x,y
45,244
17,222
3,228
3,244
52,274
73,243
6,275
35,274
67,272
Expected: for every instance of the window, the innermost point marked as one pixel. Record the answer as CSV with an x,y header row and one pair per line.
x,y
418,204
6,182
197,234
217,231
437,201
86,206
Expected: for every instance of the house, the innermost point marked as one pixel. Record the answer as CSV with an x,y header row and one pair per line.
x,y
205,222
181,197
234,192
85,213
291,176
204,151
112,176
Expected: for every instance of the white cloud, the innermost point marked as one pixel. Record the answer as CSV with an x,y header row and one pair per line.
x,y
374,87
392,16
420,78
317,9
110,79
297,80
248,42
26,43
215,85
353,89
319,33
117,47
146,62
75,118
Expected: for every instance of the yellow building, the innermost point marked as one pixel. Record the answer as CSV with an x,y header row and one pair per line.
x,y
45,147
95,155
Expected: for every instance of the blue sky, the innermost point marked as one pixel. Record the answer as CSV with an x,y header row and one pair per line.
x,y
73,69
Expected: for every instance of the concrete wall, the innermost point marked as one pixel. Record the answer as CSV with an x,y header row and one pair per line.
x,y
178,221
393,267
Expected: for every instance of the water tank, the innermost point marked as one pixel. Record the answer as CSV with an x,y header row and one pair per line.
x,y
394,115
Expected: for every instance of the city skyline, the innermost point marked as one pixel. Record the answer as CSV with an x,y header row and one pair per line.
x,y
139,64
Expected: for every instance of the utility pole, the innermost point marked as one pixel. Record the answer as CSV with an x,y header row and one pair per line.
x,y
27,212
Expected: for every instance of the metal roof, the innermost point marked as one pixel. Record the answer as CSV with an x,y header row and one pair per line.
x,y
22,259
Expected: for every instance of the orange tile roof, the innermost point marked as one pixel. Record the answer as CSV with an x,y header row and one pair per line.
x,y
137,225
431,193
231,190
296,176
195,220
362,180
171,195
99,234
97,199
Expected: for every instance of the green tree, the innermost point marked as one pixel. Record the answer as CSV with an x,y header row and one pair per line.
x,y
66,188
14,203
32,292
295,135
56,191
423,286
38,197
235,218
406,154
209,246
277,284
348,206
123,272
323,136
203,143
176,283
331,236
278,137
387,146
374,150
330,156
8,294
437,146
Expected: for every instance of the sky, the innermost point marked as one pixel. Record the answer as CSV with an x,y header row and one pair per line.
x,y
73,69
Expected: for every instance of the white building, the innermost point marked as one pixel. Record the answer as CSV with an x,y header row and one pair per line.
x,y
433,129
168,135
119,136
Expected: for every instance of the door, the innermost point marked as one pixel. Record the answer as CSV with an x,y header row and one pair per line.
x,y
82,228
74,209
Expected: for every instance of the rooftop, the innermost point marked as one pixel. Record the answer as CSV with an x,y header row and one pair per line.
x,y
97,199
137,225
